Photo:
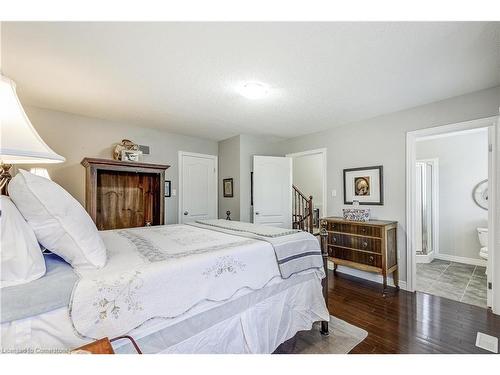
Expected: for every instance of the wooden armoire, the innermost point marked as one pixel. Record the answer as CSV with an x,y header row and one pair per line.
x,y
121,194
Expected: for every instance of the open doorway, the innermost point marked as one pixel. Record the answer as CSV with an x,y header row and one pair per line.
x,y
449,173
309,182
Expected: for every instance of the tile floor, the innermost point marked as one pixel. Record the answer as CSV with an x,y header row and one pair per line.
x,y
456,281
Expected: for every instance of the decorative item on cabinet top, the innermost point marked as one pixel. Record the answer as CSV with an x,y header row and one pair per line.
x,y
124,194
367,246
355,213
124,145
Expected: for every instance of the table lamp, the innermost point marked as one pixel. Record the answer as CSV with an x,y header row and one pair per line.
x,y
19,141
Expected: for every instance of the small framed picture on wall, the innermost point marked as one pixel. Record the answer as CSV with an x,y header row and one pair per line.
x,y
168,189
227,185
364,185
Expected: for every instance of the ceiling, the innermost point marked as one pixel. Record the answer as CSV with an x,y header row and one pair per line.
x,y
182,77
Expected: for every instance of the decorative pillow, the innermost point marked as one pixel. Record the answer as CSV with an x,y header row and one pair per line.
x,y
21,259
60,223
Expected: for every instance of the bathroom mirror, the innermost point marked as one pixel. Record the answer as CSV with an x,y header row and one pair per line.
x,y
480,194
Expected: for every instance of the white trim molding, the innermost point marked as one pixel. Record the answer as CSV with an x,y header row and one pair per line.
x,y
457,259
425,258
493,295
411,139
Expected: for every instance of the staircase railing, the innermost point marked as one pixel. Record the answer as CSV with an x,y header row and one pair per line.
x,y
302,211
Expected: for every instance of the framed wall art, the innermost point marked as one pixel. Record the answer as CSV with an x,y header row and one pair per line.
x,y
227,185
168,189
364,185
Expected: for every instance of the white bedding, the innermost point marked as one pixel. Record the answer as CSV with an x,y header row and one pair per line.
x,y
255,322
164,271
159,276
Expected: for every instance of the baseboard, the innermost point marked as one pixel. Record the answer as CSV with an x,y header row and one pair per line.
x,y
367,275
427,258
454,258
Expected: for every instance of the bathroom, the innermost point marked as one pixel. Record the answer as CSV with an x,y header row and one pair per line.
x,y
451,222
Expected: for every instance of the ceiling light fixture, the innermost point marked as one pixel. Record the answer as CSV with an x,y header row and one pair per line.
x,y
254,90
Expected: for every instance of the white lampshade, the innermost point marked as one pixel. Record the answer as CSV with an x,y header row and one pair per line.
x,y
19,141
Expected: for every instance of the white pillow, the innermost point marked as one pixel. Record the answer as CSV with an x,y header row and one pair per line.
x,y
21,258
60,223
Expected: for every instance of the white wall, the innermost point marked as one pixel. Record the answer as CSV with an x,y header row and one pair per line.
x,y
229,167
76,137
308,177
463,162
382,141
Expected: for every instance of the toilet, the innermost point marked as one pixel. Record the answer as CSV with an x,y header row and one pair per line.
x,y
483,240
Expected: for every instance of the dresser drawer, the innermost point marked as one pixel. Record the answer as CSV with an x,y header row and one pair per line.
x,y
365,230
373,260
355,242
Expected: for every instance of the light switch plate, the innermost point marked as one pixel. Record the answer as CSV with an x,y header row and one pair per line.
x,y
174,192
334,193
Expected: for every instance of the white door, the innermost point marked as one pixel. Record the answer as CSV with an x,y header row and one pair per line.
x,y
197,187
272,191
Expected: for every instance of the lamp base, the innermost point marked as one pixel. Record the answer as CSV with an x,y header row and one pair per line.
x,y
5,177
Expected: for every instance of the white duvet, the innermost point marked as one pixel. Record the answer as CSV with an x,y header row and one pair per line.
x,y
163,272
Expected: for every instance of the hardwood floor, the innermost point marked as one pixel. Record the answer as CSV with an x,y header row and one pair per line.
x,y
404,322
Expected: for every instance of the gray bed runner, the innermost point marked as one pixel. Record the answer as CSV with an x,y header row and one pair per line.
x,y
50,292
295,250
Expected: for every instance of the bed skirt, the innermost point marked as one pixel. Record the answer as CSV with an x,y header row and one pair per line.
x,y
259,329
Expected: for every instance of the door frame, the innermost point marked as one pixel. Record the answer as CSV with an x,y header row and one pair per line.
x,y
322,152
181,154
435,206
436,132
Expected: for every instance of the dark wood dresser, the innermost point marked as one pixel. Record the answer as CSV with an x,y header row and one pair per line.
x,y
121,194
368,246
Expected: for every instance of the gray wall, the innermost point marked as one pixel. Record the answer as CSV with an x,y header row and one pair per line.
x,y
382,141
229,167
76,137
463,162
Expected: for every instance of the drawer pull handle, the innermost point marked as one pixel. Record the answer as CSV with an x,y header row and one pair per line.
x,y
365,244
372,258
363,230
334,239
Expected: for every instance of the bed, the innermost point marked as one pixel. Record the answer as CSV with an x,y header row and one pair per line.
x,y
207,287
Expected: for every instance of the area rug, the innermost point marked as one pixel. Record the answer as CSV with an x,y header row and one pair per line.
x,y
342,339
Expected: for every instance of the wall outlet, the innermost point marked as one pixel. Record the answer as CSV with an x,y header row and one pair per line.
x,y
174,192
